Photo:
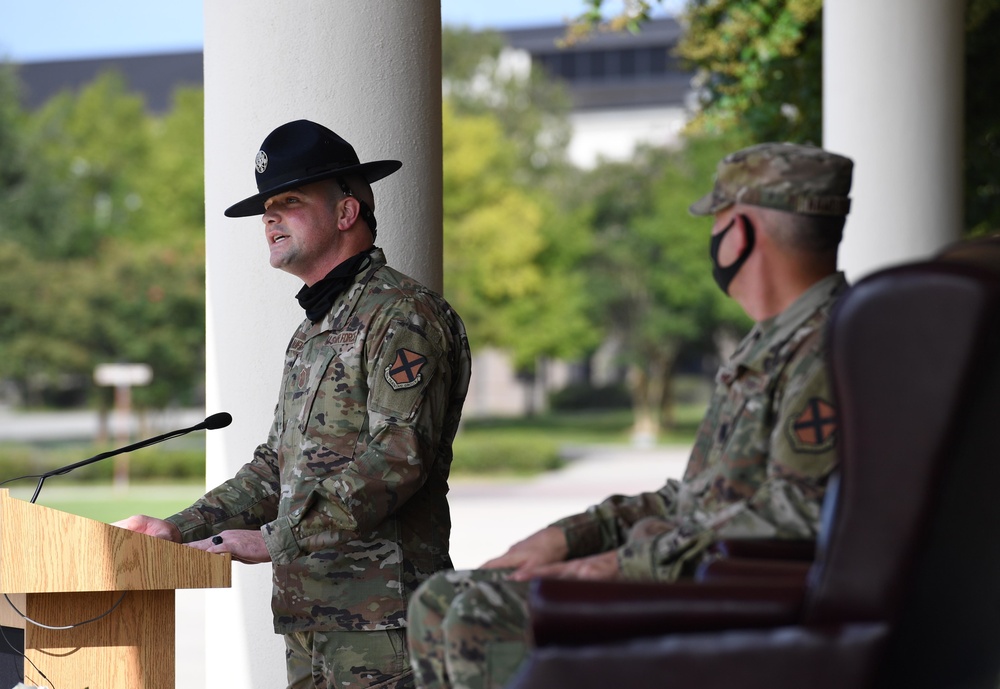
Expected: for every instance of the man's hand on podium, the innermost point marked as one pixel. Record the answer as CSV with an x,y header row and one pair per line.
x,y
246,546
151,526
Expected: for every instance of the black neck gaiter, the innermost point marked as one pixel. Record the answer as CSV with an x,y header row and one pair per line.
x,y
318,299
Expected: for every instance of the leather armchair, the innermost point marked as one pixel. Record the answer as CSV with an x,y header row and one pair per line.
x,y
902,588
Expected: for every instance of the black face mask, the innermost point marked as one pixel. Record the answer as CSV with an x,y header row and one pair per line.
x,y
724,276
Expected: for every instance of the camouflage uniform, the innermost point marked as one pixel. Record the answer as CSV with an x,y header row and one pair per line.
x,y
349,490
759,466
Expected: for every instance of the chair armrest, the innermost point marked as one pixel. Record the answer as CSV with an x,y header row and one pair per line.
x,y
802,550
570,612
788,572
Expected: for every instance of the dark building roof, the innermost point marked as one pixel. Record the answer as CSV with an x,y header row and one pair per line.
x,y
608,70
154,76
612,70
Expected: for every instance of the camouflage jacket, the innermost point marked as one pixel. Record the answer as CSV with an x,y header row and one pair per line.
x,y
759,465
349,490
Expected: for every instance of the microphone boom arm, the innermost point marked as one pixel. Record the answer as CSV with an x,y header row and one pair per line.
x,y
219,420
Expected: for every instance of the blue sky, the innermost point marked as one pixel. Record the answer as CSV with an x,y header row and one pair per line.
x,y
39,30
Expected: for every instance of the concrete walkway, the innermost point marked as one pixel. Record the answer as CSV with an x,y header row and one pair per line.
x,y
488,516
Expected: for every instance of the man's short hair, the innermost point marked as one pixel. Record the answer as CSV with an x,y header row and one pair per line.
x,y
814,234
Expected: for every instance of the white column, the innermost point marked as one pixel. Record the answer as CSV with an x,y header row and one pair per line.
x,y
893,101
371,71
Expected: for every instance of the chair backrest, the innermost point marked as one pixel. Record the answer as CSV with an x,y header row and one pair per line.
x,y
911,531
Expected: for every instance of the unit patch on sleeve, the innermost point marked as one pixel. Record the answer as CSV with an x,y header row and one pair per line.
x,y
814,429
404,372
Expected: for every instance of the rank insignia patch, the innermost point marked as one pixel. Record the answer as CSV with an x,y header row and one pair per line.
x,y
814,429
404,372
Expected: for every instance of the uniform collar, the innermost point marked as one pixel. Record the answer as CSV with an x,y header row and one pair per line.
x,y
761,340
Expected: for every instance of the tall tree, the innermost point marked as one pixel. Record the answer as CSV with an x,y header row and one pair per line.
x,y
481,76
171,186
101,242
760,71
509,256
651,273
513,253
94,144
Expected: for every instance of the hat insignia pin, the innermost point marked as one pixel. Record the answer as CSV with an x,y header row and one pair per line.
x,y
261,161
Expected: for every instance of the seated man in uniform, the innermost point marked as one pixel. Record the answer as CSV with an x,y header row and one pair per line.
x,y
764,451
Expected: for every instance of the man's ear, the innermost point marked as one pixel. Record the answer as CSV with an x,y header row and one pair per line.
x,y
746,233
350,209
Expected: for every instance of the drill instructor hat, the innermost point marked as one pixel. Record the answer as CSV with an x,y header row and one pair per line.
x,y
301,152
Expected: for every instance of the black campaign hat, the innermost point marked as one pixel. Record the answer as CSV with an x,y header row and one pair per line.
x,y
301,152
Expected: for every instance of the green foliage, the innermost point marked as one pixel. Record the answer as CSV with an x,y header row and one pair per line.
x,y
759,66
172,184
982,126
132,304
530,445
148,464
579,396
651,275
94,146
490,454
481,77
512,256
101,242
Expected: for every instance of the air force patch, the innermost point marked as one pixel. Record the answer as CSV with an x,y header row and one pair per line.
x,y
814,429
404,372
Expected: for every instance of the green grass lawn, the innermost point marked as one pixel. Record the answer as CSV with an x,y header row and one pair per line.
x,y
166,480
107,504
527,445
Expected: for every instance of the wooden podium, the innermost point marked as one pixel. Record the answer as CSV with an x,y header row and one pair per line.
x,y
60,569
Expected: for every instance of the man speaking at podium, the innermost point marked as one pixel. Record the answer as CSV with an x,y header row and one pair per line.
x,y
347,496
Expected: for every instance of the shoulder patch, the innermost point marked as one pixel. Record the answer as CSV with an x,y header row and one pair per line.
x,y
404,371
814,429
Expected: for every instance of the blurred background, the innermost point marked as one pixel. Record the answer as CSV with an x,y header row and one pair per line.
x,y
593,317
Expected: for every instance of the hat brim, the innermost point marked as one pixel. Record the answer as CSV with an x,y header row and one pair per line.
x,y
254,205
709,204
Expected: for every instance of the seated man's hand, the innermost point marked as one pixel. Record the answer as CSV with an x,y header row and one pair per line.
x,y
245,546
541,548
602,567
151,526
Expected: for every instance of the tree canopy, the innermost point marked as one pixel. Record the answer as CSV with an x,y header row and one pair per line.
x,y
759,71
651,278
512,256
101,243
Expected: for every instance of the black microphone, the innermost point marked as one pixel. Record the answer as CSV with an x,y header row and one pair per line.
x,y
220,420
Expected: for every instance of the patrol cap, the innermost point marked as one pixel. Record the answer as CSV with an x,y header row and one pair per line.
x,y
301,152
783,176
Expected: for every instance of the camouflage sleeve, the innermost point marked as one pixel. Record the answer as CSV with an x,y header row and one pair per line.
x,y
605,526
409,381
801,457
247,501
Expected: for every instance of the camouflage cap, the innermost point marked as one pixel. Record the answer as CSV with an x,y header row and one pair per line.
x,y
783,176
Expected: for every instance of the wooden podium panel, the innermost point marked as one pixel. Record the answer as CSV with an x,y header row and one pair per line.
x,y
61,570
132,647
43,550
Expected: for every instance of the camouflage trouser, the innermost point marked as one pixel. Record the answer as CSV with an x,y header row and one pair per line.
x,y
468,630
348,660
